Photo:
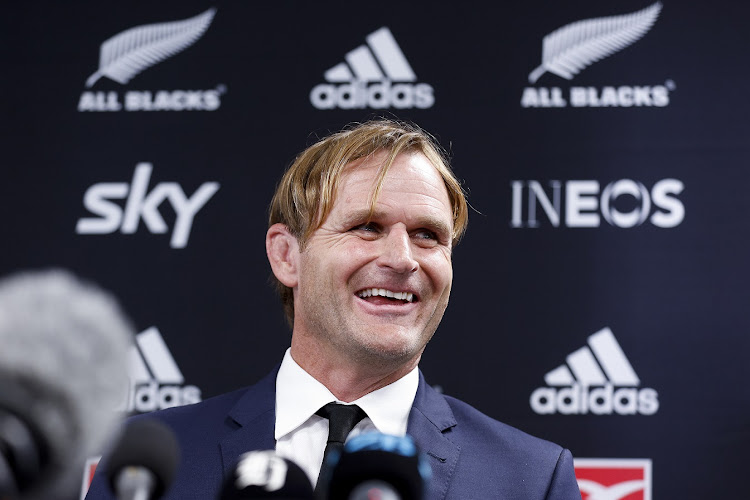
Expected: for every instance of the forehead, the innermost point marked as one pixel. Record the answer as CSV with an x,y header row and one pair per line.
x,y
412,180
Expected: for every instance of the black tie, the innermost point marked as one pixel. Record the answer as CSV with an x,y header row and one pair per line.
x,y
341,421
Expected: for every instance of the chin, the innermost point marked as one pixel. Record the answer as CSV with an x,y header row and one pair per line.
x,y
397,352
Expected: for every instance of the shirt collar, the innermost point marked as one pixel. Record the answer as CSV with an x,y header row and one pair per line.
x,y
299,396
389,406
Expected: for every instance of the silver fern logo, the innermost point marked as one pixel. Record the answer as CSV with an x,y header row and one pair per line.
x,y
128,53
573,47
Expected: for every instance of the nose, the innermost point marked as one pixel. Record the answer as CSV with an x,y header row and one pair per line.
x,y
396,252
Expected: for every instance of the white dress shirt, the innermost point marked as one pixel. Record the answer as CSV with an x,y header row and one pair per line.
x,y
301,435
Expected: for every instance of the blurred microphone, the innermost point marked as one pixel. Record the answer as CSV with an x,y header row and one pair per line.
x,y
63,351
143,463
375,466
264,474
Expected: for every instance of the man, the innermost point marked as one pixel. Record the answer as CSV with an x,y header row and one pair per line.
x,y
361,231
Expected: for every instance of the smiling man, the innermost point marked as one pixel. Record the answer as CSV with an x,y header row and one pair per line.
x,y
371,283
361,232
362,227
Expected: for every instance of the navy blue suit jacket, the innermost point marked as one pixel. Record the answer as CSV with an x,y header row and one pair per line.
x,y
472,456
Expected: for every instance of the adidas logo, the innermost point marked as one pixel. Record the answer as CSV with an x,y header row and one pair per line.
x,y
380,61
155,380
586,383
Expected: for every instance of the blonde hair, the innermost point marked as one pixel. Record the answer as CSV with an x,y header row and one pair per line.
x,y
307,191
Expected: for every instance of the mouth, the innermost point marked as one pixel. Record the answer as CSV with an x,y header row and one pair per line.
x,y
389,295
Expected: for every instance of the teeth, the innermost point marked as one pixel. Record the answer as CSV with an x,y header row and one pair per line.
x,y
382,292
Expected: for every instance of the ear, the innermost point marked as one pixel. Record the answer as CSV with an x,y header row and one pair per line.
x,y
282,249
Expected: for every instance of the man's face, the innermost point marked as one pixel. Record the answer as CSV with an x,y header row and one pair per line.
x,y
402,252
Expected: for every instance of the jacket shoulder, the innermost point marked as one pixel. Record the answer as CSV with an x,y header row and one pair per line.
x,y
210,411
474,425
507,462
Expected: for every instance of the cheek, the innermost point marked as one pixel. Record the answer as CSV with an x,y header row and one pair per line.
x,y
354,255
313,272
440,271
337,267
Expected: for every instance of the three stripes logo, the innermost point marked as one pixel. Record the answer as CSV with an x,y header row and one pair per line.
x,y
596,379
155,380
614,479
155,383
375,75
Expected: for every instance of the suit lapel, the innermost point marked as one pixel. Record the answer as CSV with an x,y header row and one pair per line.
x,y
429,418
253,419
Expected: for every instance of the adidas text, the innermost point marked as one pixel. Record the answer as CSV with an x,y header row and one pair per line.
x,y
145,100
596,378
602,400
358,95
156,381
624,96
151,396
142,204
374,75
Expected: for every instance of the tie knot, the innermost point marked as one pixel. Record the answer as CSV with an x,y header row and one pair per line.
x,y
341,420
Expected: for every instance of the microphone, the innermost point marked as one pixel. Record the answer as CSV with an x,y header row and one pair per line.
x,y
378,466
62,373
264,474
142,465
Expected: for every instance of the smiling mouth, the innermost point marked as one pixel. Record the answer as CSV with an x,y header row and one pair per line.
x,y
405,297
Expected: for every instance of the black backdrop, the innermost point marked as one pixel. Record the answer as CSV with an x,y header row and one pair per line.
x,y
667,103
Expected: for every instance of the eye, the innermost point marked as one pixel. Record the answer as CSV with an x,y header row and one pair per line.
x,y
367,227
426,238
425,234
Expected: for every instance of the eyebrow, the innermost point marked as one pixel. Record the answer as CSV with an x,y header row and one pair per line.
x,y
432,223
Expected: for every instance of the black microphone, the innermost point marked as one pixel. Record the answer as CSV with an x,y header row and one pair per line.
x,y
143,463
378,466
63,372
264,474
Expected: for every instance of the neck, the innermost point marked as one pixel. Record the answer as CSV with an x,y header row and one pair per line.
x,y
348,379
